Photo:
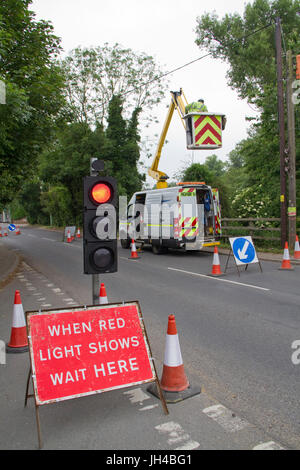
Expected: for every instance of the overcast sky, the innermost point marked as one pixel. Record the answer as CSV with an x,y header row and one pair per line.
x,y
164,29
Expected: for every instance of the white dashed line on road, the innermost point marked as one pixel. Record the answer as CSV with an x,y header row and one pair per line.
x,y
268,446
176,435
225,418
218,279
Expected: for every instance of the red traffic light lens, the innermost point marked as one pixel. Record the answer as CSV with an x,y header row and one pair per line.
x,y
101,193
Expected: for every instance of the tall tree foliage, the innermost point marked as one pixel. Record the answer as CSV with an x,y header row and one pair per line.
x,y
63,166
122,147
33,81
95,75
247,44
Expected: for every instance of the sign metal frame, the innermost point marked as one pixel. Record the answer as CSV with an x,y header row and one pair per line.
x,y
238,262
33,370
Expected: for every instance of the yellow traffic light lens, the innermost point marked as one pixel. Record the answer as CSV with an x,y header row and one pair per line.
x,y
101,193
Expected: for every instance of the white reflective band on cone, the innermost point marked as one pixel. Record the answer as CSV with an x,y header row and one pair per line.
x,y
172,356
18,320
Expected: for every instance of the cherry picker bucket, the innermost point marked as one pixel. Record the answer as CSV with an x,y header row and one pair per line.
x,y
204,130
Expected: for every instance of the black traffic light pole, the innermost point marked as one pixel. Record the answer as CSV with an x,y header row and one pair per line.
x,y
96,166
100,251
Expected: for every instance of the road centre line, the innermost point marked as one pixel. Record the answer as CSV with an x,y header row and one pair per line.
x,y
218,279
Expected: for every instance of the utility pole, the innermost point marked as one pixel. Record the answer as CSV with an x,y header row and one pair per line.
x,y
292,151
280,98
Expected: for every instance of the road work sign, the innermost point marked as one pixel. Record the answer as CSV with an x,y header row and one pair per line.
x,y
88,350
243,250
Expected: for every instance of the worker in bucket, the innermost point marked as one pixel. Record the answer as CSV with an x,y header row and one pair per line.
x,y
196,107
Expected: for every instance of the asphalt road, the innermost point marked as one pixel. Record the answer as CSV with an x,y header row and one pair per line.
x,y
235,332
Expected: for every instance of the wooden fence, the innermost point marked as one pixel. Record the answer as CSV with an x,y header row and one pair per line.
x,y
258,228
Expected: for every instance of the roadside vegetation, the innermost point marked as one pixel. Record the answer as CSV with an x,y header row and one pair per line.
x,y
61,113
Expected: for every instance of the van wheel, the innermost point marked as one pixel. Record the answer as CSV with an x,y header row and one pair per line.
x,y
125,243
159,250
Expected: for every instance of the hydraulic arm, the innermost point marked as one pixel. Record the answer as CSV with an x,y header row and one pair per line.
x,y
178,102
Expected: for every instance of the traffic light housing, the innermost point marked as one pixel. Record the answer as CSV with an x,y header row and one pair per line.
x,y
100,251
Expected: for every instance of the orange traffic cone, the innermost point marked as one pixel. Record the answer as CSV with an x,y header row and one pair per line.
x,y
286,264
18,339
69,238
18,232
216,268
173,376
78,233
297,249
134,254
102,295
174,383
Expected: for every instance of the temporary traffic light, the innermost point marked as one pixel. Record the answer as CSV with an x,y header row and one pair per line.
x,y
99,225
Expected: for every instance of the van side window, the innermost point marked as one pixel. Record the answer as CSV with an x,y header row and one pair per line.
x,y
130,211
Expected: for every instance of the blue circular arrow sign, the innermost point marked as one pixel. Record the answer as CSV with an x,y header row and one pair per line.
x,y
11,227
243,250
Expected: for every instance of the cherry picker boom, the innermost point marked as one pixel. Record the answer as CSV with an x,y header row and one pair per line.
x,y
203,131
187,216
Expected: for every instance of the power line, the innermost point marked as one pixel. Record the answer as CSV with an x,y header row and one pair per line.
x,y
193,61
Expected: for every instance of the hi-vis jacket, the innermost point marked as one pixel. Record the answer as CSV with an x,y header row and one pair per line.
x,y
195,107
186,216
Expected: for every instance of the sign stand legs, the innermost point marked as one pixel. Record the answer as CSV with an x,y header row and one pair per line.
x,y
159,390
27,395
246,266
229,254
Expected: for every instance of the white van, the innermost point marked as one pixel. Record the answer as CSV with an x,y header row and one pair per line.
x,y
184,217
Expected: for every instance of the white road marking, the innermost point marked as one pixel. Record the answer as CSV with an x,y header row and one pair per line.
x,y
137,396
218,279
150,407
225,418
268,446
49,239
177,435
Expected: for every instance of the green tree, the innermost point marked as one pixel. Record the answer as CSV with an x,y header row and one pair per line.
x,y
198,172
33,80
66,163
95,75
30,199
247,44
216,166
122,148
